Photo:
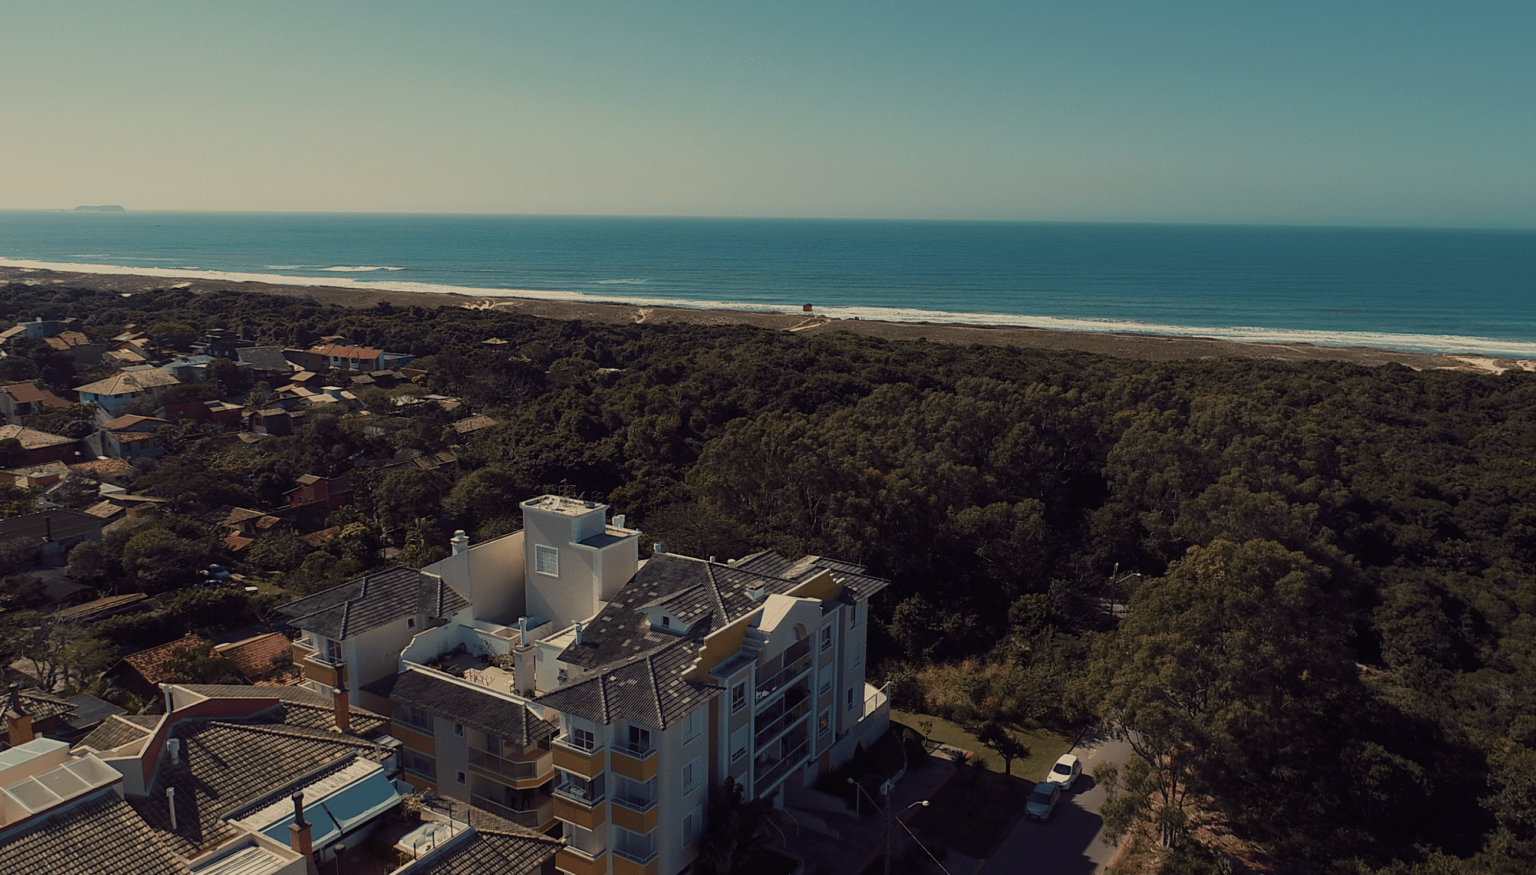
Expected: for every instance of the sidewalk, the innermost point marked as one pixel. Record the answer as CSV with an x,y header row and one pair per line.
x,y
833,840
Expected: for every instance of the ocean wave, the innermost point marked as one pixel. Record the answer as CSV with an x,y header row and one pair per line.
x,y
1421,343
362,269
619,282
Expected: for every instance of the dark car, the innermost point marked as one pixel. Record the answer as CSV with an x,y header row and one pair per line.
x,y
1042,801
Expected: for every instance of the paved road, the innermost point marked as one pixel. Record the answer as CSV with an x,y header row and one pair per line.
x,y
1069,844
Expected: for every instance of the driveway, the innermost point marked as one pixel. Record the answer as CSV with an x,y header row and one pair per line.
x,y
1069,844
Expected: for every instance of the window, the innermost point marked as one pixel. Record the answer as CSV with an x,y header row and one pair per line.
x,y
635,846
411,717
586,790
583,738
824,725
418,764
826,637
693,826
828,672
695,725
333,651
666,620
850,697
410,622
462,778
858,613
739,743
738,697
693,775
639,739
639,795
546,560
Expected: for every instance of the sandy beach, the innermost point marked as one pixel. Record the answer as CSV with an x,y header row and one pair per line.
x,y
1130,346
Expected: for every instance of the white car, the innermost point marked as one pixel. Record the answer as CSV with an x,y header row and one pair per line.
x,y
1065,771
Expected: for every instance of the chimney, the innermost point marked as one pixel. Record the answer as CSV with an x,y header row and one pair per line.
x,y
18,723
173,746
170,802
578,633
658,548
460,542
619,520
343,708
756,593
300,837
522,631
169,705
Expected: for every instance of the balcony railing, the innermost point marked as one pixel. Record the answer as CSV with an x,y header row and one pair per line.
x,y
533,818
638,856
777,770
509,768
635,803
775,726
796,660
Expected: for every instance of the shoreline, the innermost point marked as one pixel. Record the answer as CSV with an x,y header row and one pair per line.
x,y
1144,347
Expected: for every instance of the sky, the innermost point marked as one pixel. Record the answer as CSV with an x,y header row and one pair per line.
x,y
1391,113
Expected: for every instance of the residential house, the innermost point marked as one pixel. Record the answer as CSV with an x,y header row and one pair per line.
x,y
78,346
350,358
54,532
315,498
114,393
39,447
26,399
128,437
239,781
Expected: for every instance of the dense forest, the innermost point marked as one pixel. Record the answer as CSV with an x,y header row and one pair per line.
x,y
1330,569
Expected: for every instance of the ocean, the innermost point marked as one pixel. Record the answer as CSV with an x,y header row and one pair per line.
x,y
1466,292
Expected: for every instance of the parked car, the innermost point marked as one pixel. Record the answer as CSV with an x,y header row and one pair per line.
x,y
1042,801
1065,772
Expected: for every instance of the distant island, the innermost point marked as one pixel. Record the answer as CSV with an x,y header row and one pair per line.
x,y
104,208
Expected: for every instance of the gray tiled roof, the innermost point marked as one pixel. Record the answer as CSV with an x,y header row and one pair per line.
x,y
114,732
648,690
485,711
102,836
705,595
487,851
375,600
226,765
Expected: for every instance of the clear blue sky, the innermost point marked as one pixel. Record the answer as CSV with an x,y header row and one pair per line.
x,y
1384,113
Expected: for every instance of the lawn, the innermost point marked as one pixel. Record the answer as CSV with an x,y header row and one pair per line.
x,y
1045,745
977,807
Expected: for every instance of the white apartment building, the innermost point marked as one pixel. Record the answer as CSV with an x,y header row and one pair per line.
x,y
596,697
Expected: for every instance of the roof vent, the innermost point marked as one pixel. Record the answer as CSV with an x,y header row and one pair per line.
x,y
460,542
658,548
619,520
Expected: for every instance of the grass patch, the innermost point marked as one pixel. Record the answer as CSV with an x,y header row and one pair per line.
x,y
977,807
1045,745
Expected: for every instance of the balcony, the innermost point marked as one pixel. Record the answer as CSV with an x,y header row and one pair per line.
x,y
583,813
634,860
587,763
537,818
524,775
639,765
577,862
634,814
780,671
776,769
776,718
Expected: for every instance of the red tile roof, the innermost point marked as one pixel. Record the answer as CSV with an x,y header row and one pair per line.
x,y
27,393
254,655
150,664
347,352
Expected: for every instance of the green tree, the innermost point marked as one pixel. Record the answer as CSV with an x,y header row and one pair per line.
x,y
995,735
172,335
200,664
408,495
737,829
1221,675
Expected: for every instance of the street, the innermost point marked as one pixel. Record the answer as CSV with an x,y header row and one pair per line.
x,y
1069,843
